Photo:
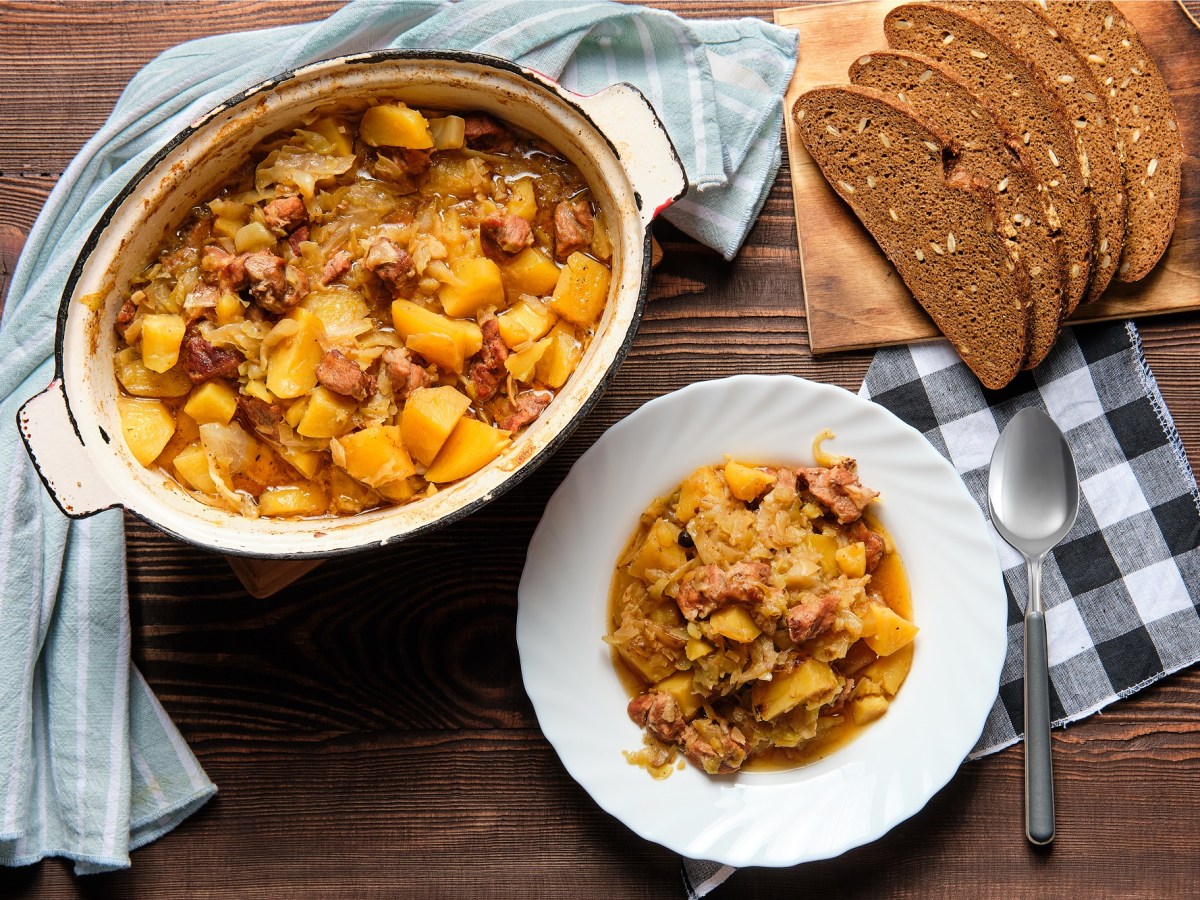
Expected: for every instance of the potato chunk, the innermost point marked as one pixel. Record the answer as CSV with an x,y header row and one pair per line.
x,y
213,401
327,415
660,551
477,283
471,446
825,547
292,362
868,709
375,456
531,272
306,462
147,426
852,559
812,683
162,336
452,177
746,483
336,305
695,492
890,671
191,465
581,290
395,125
293,500
143,382
230,309
561,357
679,686
526,320
429,417
412,320
334,131
521,366
522,199
735,623
252,237
886,632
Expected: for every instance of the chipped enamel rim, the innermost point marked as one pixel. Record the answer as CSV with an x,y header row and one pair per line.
x,y
72,430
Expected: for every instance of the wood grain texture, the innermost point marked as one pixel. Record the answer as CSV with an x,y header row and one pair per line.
x,y
854,297
367,726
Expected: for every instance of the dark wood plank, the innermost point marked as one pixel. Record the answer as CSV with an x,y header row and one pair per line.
x,y
368,727
63,64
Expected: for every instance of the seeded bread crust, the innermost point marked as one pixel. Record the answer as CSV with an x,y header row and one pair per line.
x,y
1005,82
895,169
1146,122
987,150
1068,75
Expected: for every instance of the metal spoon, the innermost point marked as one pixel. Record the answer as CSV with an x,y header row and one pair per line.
x,y
1033,495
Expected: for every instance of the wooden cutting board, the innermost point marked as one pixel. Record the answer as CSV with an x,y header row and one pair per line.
x,y
853,296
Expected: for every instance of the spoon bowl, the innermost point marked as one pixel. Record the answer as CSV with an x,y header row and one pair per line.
x,y
1033,487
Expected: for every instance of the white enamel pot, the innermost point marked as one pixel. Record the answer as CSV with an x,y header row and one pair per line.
x,y
72,430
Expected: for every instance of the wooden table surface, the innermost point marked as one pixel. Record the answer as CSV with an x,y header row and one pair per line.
x,y
367,727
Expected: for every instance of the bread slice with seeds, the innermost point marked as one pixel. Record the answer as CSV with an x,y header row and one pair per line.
x,y
1067,74
1146,122
987,150
1004,81
897,171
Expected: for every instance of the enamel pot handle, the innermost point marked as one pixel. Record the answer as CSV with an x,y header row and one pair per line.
x,y
628,120
60,457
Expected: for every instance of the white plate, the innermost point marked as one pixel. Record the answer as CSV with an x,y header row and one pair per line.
x,y
853,796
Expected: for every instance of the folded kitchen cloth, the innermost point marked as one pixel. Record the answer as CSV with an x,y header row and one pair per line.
x,y
1122,590
90,765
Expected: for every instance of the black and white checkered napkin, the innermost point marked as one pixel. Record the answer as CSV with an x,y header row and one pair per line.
x,y
1122,591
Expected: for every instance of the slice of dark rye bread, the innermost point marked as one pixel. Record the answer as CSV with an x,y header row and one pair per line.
x,y
1068,75
987,150
1146,121
1005,82
937,226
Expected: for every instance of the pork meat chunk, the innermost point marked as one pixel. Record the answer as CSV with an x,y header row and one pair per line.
x,y
812,619
225,270
838,489
342,375
406,374
873,543
710,587
125,316
275,285
202,361
573,227
482,132
391,264
504,236
261,416
715,747
285,215
338,265
527,407
659,714
488,372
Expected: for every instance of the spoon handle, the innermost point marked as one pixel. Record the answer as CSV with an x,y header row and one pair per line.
x,y
1039,771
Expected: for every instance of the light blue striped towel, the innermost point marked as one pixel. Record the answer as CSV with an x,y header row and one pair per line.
x,y
90,765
